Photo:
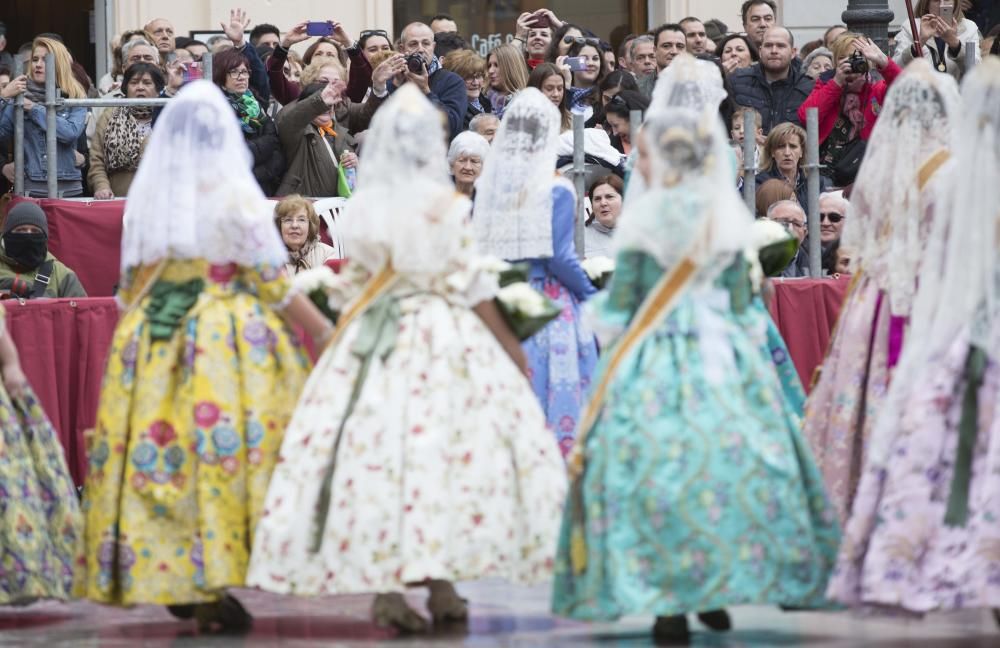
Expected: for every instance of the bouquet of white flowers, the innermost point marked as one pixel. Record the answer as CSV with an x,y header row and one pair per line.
x,y
526,310
599,269
775,246
317,284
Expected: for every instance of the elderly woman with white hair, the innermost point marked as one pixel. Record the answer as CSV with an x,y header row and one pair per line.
x,y
465,159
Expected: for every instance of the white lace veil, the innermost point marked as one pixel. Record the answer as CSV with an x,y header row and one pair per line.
x,y
194,195
960,278
688,150
513,211
888,221
687,83
403,189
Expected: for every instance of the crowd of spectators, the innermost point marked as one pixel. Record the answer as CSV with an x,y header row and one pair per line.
x,y
304,115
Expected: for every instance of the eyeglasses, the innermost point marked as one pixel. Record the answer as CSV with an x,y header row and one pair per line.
x,y
374,32
294,220
789,223
833,217
236,74
580,40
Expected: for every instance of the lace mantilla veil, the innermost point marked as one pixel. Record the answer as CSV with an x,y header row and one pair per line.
x,y
404,190
959,282
513,211
888,222
194,195
689,150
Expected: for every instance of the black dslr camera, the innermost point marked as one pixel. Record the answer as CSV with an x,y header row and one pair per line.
x,y
859,64
415,63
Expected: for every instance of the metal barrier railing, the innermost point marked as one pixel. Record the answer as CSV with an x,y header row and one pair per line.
x,y
52,105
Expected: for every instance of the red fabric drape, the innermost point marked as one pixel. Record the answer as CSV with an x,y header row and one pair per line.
x,y
805,311
63,344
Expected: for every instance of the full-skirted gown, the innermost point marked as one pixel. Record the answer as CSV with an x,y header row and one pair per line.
x,y
418,450
855,376
41,528
900,551
698,492
563,355
201,381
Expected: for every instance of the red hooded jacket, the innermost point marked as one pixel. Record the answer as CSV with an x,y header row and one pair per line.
x,y
827,94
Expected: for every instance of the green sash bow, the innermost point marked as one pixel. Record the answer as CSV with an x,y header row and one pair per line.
x,y
168,303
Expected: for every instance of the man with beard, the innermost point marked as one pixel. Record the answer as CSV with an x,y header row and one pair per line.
x,y
27,268
777,85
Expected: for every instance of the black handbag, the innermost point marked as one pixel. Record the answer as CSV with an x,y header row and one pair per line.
x,y
845,170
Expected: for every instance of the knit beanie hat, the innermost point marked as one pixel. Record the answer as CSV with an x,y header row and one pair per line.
x,y
26,213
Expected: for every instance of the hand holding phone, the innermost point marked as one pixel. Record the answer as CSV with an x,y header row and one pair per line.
x,y
324,28
577,63
540,20
946,10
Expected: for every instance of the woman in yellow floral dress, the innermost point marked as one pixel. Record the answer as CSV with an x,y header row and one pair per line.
x,y
202,376
40,522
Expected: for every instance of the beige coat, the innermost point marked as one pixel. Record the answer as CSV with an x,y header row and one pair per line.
x,y
97,177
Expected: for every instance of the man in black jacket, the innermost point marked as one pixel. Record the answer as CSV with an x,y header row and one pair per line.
x,y
443,88
777,85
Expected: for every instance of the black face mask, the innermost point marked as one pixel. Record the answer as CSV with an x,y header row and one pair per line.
x,y
27,250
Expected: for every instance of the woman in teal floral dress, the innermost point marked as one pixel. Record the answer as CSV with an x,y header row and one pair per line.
x,y
693,489
40,522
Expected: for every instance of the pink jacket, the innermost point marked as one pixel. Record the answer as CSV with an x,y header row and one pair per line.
x,y
826,96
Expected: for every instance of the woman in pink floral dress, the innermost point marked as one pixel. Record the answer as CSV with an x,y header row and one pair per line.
x,y
924,533
892,208
417,454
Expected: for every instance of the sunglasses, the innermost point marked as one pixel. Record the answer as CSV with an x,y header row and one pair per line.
x,y
580,40
375,32
617,101
833,217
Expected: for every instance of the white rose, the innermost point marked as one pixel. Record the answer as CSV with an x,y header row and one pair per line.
x,y
766,231
492,265
523,298
321,278
597,267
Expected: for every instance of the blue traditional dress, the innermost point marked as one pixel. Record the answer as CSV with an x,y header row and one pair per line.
x,y
562,356
697,490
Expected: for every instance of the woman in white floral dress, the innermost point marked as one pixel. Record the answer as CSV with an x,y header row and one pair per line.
x,y
418,454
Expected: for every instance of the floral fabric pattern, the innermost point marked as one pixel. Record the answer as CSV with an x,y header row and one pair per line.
x,y
698,492
444,468
187,435
561,357
841,410
41,528
898,552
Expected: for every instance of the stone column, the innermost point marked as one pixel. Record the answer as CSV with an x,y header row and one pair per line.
x,y
871,18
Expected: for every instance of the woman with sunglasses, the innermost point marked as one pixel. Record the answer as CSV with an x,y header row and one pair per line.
x,y
618,114
562,39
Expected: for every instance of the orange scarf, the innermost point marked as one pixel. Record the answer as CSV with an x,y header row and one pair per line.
x,y
327,130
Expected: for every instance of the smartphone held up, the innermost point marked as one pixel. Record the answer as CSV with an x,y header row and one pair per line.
x,y
322,28
946,11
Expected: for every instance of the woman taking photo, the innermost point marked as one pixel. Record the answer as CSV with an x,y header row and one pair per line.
x,y
507,73
231,72
298,223
551,82
472,68
121,134
942,40
585,91
70,122
849,101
